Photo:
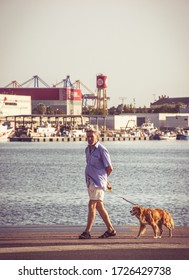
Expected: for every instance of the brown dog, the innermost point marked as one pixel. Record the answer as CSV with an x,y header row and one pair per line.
x,y
154,217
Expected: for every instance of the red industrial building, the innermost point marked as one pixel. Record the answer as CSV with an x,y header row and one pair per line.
x,y
68,99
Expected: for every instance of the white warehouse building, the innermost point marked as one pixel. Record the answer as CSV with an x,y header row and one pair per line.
x,y
14,105
114,122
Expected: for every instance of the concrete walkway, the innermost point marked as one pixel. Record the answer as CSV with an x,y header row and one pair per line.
x,y
62,243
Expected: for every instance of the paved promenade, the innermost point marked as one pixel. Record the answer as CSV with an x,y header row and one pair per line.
x,y
62,243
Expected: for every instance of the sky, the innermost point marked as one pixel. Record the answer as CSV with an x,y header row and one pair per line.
x,y
142,46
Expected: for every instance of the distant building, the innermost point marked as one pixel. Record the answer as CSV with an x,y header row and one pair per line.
x,y
164,120
183,102
12,105
178,121
69,100
114,122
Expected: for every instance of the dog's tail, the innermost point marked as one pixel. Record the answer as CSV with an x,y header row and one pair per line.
x,y
169,220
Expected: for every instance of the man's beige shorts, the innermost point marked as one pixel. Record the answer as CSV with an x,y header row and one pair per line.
x,y
95,193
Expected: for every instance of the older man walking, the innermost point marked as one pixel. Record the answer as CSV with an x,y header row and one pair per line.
x,y
97,170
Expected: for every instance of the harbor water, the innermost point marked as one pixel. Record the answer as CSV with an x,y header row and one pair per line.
x,y
44,183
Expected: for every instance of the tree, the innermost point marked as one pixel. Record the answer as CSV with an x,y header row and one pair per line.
x,y
166,108
41,109
119,109
112,110
49,111
60,112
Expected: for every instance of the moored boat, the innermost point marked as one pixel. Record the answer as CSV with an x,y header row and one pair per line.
x,y
167,136
183,135
5,132
44,131
148,128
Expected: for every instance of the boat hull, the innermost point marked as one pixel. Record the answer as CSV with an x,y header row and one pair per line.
x,y
167,138
182,137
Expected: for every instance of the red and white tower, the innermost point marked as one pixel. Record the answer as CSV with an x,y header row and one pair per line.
x,y
101,83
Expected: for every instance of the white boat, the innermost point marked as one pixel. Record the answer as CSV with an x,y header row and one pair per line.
x,y
44,131
5,132
148,128
167,136
78,133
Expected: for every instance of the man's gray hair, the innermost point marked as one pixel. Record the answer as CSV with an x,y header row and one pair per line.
x,y
93,129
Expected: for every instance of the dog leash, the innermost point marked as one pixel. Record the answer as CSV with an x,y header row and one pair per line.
x,y
129,201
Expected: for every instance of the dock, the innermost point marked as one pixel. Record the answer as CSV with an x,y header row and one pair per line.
x,y
74,139
56,242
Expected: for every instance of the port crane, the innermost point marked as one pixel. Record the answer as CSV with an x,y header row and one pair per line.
x,y
13,84
36,79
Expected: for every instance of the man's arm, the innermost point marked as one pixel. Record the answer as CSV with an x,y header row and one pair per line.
x,y
109,170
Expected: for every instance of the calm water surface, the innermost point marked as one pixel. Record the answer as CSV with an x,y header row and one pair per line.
x,y
43,183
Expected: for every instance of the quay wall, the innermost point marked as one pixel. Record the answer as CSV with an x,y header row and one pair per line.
x,y
82,139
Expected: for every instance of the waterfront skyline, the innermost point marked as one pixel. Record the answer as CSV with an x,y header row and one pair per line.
x,y
141,45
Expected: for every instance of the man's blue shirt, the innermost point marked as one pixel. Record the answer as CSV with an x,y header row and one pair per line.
x,y
97,161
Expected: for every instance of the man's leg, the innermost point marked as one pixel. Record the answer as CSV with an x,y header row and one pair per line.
x,y
104,215
91,215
